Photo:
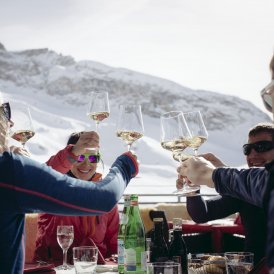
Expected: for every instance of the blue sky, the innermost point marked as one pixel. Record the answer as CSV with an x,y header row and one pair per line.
x,y
218,45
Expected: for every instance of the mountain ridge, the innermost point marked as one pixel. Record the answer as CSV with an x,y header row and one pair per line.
x,y
56,88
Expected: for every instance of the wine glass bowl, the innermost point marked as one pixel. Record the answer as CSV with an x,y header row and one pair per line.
x,y
65,236
98,107
197,129
175,135
130,125
22,129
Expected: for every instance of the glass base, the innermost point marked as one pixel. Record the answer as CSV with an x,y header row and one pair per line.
x,y
188,191
64,267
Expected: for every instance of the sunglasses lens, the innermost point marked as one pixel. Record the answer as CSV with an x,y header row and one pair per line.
x,y
92,158
246,149
265,93
260,147
81,158
6,110
267,100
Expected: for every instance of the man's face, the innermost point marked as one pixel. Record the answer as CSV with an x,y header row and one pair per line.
x,y
259,159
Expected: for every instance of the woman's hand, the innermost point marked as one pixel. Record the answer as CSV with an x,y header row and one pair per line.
x,y
87,139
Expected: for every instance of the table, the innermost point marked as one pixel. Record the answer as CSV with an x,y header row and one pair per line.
x,y
217,228
103,269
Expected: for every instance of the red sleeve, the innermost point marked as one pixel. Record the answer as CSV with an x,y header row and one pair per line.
x,y
63,160
112,231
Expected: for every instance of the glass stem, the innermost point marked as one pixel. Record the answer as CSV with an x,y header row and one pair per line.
x,y
128,147
196,152
65,266
96,126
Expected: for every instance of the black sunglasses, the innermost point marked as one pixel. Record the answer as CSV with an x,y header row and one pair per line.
x,y
261,146
92,158
6,110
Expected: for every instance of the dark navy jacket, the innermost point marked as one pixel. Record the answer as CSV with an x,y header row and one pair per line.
x,y
255,186
253,219
27,186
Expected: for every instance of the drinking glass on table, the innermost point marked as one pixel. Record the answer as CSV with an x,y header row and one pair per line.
x,y
239,262
168,267
65,236
130,125
22,129
85,259
98,107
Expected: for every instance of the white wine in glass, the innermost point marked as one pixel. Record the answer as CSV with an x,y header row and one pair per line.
x,y
98,107
130,126
23,128
176,137
197,129
65,237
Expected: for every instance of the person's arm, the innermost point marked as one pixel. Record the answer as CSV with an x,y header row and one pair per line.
x,y
202,211
63,160
250,185
28,186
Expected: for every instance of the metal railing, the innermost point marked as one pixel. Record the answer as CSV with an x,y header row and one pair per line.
x,y
151,199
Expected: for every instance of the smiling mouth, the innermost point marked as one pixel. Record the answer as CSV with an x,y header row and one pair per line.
x,y
84,171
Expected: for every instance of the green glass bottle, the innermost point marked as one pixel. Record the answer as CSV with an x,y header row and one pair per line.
x,y
135,246
122,233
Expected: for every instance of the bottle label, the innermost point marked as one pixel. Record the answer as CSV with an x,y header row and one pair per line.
x,y
124,219
121,251
130,259
144,260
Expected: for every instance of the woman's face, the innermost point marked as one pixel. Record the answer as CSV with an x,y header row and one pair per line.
x,y
84,170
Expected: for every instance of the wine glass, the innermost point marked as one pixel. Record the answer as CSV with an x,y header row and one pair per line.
x,y
130,125
98,107
176,137
65,236
22,129
197,129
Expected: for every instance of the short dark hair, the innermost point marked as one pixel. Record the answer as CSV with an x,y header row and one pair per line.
x,y
262,127
73,138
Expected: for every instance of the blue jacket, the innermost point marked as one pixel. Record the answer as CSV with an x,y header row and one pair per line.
x,y
27,186
255,186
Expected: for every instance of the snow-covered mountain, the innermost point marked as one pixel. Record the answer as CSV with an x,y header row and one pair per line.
x,y
56,88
